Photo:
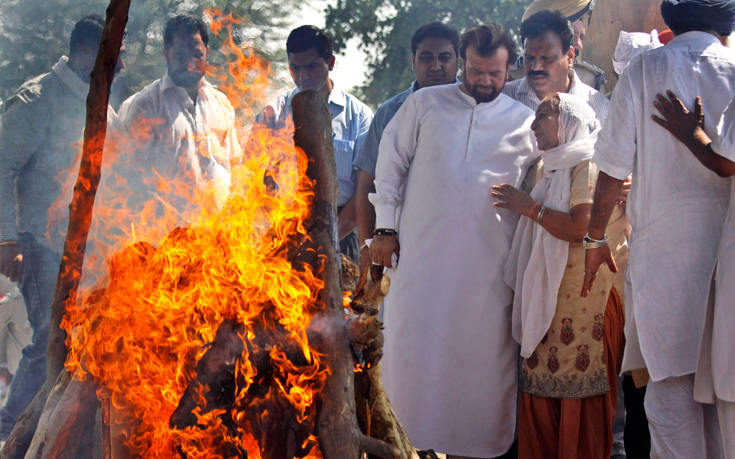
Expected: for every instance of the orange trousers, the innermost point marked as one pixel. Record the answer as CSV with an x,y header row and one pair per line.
x,y
576,427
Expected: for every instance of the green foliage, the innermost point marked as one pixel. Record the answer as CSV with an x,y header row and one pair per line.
x,y
384,29
34,33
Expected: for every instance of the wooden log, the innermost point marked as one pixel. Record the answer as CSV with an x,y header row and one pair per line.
x,y
337,428
80,217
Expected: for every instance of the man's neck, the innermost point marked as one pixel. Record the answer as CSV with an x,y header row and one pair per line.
x,y
566,89
327,89
83,74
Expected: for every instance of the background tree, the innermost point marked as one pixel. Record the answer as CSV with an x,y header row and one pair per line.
x,y
384,29
34,33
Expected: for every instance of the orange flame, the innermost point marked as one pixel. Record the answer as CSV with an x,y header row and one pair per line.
x,y
143,330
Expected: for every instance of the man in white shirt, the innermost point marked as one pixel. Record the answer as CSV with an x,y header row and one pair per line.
x,y
676,208
450,366
548,61
180,129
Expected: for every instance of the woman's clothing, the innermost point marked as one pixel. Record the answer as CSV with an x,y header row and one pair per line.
x,y
568,362
575,427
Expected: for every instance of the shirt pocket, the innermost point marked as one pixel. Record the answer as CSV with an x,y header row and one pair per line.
x,y
343,153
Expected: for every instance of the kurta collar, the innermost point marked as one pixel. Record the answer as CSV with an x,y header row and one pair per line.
x,y
77,86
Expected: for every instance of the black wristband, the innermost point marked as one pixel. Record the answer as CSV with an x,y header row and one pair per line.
x,y
384,232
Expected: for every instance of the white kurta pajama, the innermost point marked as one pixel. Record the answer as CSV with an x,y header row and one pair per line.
x,y
715,378
676,208
450,366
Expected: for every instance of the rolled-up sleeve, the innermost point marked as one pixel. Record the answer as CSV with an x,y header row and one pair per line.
x,y
724,142
397,149
616,146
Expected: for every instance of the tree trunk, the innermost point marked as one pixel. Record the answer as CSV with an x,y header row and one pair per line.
x,y
337,428
80,218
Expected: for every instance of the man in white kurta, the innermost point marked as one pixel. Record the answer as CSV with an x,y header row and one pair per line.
x,y
676,208
450,364
714,382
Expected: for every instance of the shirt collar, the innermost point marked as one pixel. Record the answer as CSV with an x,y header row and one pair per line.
x,y
336,96
77,86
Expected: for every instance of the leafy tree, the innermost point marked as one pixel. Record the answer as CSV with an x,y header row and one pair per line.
x,y
384,28
34,33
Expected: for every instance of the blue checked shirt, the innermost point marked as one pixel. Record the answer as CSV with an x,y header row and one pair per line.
x,y
350,122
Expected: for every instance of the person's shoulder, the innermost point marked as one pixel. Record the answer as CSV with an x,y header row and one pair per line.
x,y
514,106
141,102
394,102
357,104
220,97
511,87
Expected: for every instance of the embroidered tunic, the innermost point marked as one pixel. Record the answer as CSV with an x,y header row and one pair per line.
x,y
569,361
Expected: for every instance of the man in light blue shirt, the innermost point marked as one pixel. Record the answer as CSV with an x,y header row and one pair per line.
x,y
434,61
310,59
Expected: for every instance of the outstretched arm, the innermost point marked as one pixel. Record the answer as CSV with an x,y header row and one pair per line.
x,y
688,128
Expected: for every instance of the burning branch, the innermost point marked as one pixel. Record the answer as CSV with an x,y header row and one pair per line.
x,y
80,217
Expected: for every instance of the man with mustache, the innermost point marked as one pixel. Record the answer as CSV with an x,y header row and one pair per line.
x,y
434,60
548,60
450,366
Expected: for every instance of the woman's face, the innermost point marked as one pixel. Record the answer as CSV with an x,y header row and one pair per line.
x,y
546,127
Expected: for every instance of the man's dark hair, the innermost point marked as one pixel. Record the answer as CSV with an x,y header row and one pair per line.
x,y
184,24
548,21
87,32
304,38
486,39
435,30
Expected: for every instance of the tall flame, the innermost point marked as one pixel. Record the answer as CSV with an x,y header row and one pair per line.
x,y
143,333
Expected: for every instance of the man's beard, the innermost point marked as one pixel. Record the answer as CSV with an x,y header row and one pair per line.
x,y
186,79
489,95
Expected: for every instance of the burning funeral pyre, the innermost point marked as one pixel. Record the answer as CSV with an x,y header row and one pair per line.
x,y
227,337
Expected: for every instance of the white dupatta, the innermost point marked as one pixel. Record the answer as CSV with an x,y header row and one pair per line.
x,y
537,259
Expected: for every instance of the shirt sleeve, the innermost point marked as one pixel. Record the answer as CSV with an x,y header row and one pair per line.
x,y
23,128
616,147
397,149
724,142
584,179
367,153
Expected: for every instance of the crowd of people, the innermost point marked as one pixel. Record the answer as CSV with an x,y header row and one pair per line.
x,y
541,238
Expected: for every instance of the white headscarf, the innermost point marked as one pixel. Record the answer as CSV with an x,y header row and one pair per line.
x,y
537,259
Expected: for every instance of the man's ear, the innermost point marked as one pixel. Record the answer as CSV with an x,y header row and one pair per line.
x,y
413,61
165,51
570,55
330,62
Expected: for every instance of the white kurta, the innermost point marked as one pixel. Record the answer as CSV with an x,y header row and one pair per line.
x,y
450,364
676,206
716,372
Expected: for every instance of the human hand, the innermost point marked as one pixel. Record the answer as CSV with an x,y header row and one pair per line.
x,y
381,249
686,126
593,259
624,191
11,261
509,197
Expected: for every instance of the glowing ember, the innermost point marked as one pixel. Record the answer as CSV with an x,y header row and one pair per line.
x,y
220,297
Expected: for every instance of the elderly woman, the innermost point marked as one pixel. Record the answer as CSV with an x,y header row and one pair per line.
x,y
570,345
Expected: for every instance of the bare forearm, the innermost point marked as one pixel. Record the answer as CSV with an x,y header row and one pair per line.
x,y
701,146
606,195
570,226
364,209
346,219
